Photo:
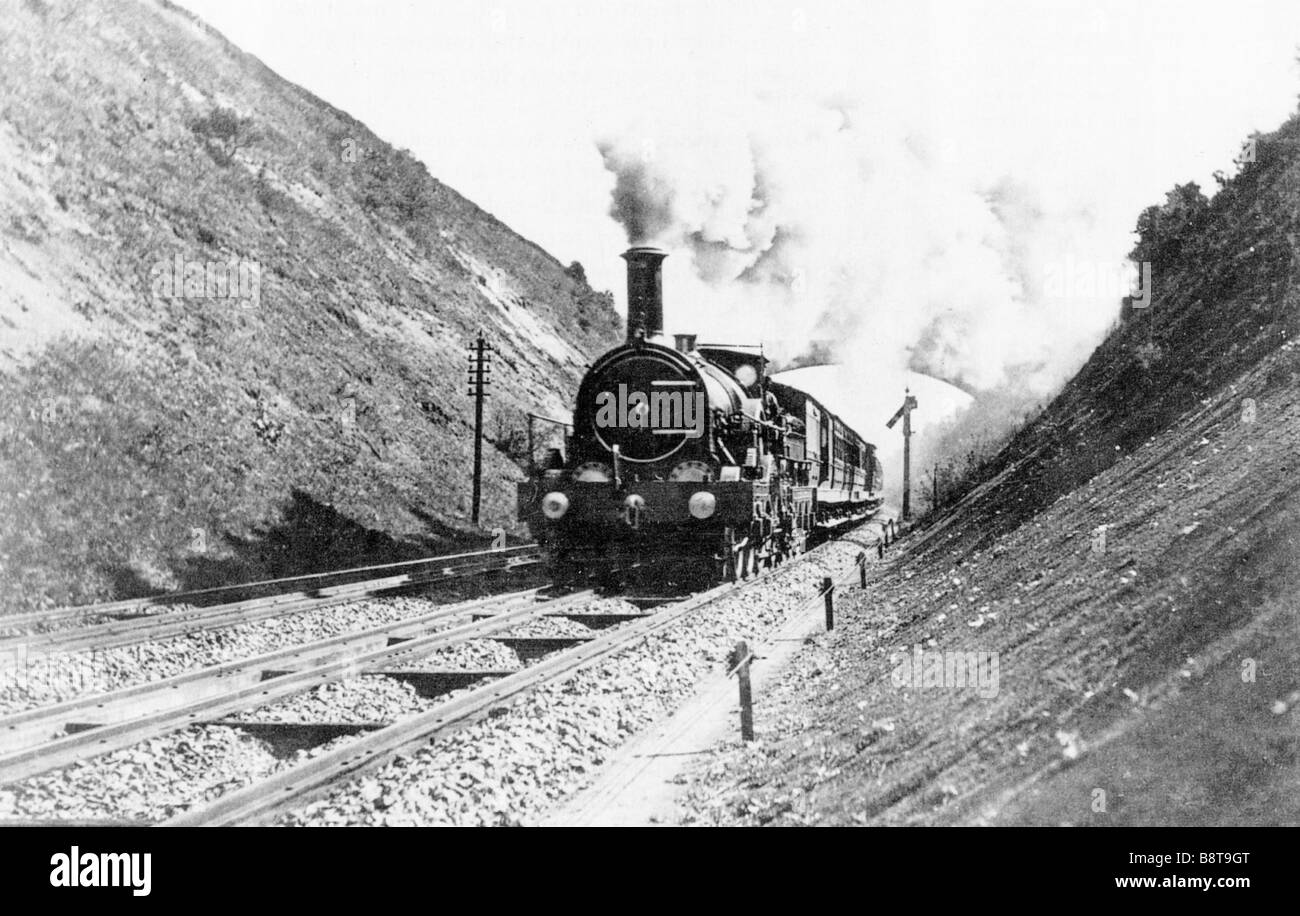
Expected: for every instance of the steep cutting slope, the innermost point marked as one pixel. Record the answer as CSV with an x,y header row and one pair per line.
x,y
1131,566
156,435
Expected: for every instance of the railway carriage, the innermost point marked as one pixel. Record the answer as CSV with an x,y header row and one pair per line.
x,y
688,454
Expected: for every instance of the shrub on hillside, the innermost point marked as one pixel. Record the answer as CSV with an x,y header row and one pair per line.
x,y
1164,229
224,133
395,185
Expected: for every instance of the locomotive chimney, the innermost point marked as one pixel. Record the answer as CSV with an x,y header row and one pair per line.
x,y
645,294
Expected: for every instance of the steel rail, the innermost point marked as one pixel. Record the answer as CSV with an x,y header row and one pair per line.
x,y
44,723
15,621
100,739
118,633
262,801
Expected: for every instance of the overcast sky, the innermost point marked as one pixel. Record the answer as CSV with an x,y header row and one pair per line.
x,y
1098,102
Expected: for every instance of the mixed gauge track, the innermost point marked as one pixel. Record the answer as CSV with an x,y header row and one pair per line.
x,y
310,695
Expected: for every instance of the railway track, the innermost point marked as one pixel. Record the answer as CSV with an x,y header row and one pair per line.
x,y
270,592
262,802
50,737
241,694
130,627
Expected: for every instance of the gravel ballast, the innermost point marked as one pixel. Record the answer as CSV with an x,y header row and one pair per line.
x,y
506,769
42,680
358,699
510,768
150,781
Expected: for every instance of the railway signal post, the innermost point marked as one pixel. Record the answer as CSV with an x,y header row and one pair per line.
x,y
909,405
478,382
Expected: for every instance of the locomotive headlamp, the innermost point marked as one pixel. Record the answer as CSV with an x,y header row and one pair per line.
x,y
746,374
702,504
554,505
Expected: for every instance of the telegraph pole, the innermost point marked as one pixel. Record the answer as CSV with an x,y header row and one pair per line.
x,y
909,405
478,382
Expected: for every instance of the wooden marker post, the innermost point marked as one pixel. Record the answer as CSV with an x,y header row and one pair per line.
x,y
741,659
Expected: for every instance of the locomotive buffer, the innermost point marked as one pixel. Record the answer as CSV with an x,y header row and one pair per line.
x,y
909,405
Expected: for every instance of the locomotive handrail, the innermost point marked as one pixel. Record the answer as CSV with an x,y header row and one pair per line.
x,y
555,420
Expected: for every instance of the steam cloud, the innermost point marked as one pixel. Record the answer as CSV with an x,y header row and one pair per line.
x,y
823,229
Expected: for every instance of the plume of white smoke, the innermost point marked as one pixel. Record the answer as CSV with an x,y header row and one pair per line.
x,y
803,223
832,231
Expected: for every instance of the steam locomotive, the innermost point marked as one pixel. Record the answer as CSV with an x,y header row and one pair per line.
x,y
689,454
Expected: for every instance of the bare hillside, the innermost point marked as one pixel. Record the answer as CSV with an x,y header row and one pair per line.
x,y
1126,579
233,321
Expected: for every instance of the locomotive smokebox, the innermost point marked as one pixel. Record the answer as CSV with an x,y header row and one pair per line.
x,y
645,292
